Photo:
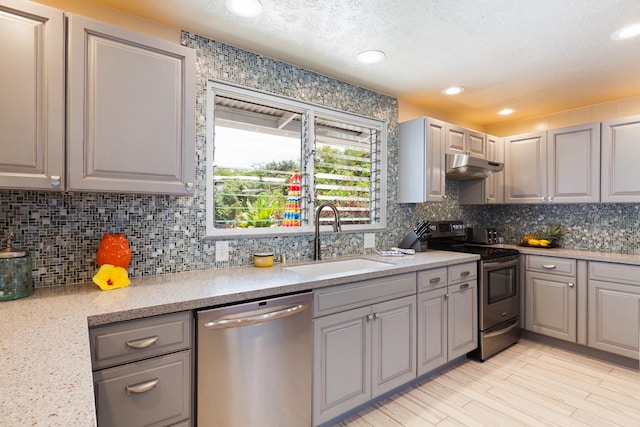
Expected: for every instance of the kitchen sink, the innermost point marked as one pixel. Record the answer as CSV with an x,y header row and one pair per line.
x,y
356,265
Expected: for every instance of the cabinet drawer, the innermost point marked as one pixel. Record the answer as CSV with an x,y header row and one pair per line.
x,y
432,279
553,265
125,342
358,294
155,392
617,273
463,272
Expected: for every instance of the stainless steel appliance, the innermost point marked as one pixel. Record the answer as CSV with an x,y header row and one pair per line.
x,y
498,286
461,167
254,363
487,236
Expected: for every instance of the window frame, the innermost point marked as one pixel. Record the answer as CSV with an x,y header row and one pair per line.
x,y
309,111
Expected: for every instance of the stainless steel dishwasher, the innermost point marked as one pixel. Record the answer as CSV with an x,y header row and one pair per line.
x,y
254,363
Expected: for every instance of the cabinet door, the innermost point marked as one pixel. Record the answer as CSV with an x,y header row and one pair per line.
x,y
32,101
475,142
462,313
525,168
455,139
130,111
551,305
393,344
432,330
614,318
494,184
620,153
421,162
342,363
490,190
573,164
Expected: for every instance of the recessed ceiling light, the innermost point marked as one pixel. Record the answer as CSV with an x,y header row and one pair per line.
x,y
371,56
506,111
453,90
627,32
244,8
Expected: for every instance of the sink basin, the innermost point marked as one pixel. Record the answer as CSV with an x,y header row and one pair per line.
x,y
357,265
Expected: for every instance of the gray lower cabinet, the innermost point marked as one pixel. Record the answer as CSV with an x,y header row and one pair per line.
x,y
143,370
364,351
614,308
551,297
447,315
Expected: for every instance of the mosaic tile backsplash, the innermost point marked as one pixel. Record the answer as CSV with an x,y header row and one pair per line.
x,y
62,231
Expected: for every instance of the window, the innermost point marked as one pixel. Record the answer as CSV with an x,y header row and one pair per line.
x,y
271,161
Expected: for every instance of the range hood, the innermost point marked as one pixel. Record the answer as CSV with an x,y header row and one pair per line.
x,y
460,167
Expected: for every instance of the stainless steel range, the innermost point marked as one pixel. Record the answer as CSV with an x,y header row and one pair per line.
x,y
498,287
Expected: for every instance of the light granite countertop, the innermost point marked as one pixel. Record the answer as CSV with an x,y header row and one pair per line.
x,y
44,341
633,259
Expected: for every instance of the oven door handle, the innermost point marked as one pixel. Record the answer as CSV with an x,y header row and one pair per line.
x,y
500,264
516,324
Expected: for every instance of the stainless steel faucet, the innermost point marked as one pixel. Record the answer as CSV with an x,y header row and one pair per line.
x,y
336,227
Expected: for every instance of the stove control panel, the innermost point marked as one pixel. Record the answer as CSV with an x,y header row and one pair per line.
x,y
447,229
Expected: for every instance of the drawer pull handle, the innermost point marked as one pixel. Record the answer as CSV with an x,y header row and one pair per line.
x,y
465,273
142,343
464,286
549,266
142,387
434,280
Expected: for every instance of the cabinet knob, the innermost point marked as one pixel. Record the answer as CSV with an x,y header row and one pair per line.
x,y
376,316
550,199
370,317
189,186
543,198
571,285
55,181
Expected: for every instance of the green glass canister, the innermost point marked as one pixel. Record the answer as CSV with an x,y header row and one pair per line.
x,y
16,279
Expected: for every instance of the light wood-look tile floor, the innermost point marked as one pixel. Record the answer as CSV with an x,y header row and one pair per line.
x,y
529,384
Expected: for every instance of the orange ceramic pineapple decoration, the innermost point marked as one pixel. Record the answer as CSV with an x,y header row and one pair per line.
x,y
114,249
113,259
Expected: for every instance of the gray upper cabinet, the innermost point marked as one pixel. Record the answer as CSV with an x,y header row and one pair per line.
x,y
131,111
620,153
525,168
562,165
573,164
32,101
464,141
421,163
488,191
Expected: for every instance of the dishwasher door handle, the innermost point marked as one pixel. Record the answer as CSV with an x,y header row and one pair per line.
x,y
255,320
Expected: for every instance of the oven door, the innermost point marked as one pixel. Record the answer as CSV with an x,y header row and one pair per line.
x,y
499,291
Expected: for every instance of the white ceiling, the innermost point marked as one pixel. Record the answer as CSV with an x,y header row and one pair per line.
x,y
536,56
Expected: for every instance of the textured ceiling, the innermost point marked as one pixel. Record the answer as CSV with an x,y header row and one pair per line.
x,y
537,56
